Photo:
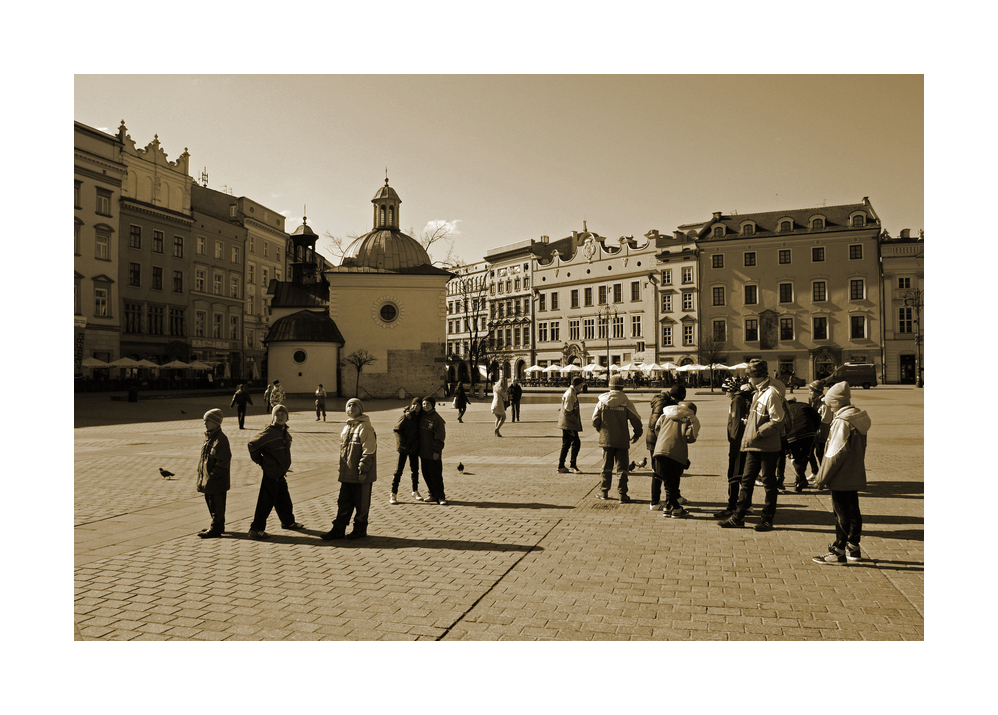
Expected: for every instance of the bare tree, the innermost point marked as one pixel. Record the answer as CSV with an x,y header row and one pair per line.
x,y
359,359
336,246
710,350
472,306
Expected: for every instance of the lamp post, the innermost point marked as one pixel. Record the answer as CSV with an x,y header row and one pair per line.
x,y
913,299
605,313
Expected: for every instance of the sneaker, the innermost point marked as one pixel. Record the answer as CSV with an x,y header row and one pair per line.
x,y
209,534
853,553
678,513
758,483
574,470
764,525
654,506
732,523
334,533
723,514
624,499
800,487
562,470
417,496
393,499
297,526
442,502
682,501
834,556
603,496
253,534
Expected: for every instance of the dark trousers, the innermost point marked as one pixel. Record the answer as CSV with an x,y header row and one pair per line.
x,y
667,471
848,520
819,447
736,466
274,494
241,415
460,413
656,484
515,406
620,456
781,464
216,507
354,500
433,474
799,453
760,465
570,442
413,460
320,408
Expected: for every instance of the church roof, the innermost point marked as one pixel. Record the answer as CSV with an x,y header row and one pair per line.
x,y
289,295
386,248
305,326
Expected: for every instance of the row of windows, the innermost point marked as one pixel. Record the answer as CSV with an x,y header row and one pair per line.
x,y
217,325
787,226
510,285
686,274
152,320
135,277
819,328
785,256
102,205
454,326
469,304
785,291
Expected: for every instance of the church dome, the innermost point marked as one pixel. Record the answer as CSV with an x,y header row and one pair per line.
x,y
385,248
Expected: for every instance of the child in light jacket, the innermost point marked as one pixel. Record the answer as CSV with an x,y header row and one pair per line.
x,y
676,428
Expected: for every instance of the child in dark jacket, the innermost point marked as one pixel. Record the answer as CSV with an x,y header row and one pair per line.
x,y
271,449
432,433
213,472
741,398
407,443
804,421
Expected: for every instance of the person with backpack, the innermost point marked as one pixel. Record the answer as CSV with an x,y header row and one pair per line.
x,y
803,420
764,430
407,444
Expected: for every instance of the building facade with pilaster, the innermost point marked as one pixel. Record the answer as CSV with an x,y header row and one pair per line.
x,y
903,267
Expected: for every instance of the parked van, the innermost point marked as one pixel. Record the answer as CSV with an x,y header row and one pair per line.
x,y
857,375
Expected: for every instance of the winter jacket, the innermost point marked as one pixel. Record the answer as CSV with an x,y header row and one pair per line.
x,y
843,468
461,400
613,411
677,427
358,451
765,418
658,403
570,413
737,414
407,431
515,392
320,397
271,449
241,398
804,421
499,396
277,395
213,467
432,434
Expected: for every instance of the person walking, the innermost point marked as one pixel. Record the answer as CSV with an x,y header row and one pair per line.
x,y
804,421
213,472
239,400
843,471
761,440
676,428
267,398
570,423
271,449
358,472
741,397
500,395
461,402
320,403
515,393
432,433
614,410
407,445
277,395
669,397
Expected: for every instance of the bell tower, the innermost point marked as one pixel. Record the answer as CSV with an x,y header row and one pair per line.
x,y
386,207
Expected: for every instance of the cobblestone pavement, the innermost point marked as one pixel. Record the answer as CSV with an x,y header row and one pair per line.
x,y
521,552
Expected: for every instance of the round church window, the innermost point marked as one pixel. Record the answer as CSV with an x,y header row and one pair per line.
x,y
299,356
389,312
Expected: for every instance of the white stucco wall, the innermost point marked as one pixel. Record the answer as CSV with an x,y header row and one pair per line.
x,y
319,366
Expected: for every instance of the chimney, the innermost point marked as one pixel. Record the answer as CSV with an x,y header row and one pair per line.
x,y
905,233
544,239
717,215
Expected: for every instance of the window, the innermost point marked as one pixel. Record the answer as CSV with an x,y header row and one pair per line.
x,y
720,332
589,329
687,301
786,226
101,302
178,246
687,335
157,241
818,291
618,326
817,224
819,330
103,244
858,221
266,250
76,238
635,326
573,329
202,242
635,290
666,303
157,278
856,252
589,297
76,195
541,302
751,330
134,274
217,284
216,325
666,335
602,295
555,330
263,277
249,338
77,294
542,332
234,286
200,319
516,287
750,258
199,279
688,274
526,285
717,260
718,231
784,255
156,320
718,295
178,326
602,330
575,298
103,202
135,236
904,320
857,289
786,328
235,254
233,327
786,292
133,317
218,250
667,277
252,279
751,295
857,327
618,292
817,254
516,331
904,283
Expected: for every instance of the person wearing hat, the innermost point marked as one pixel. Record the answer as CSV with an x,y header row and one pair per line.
x,y
213,472
740,394
614,410
570,424
432,434
358,471
843,471
271,449
762,440
669,397
239,401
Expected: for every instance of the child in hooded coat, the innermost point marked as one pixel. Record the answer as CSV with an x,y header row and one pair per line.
x,y
676,428
843,471
358,471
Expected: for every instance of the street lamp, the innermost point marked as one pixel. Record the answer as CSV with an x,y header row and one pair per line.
x,y
605,313
913,299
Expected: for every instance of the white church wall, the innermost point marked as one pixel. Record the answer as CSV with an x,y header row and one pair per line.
x,y
318,366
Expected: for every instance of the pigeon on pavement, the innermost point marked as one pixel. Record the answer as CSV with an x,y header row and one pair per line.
x,y
165,474
460,467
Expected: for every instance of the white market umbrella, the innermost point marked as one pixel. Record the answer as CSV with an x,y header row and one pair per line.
x,y
592,367
688,368
739,366
651,367
571,368
669,365
175,365
198,365
147,363
534,368
553,368
124,362
614,367
94,362
628,366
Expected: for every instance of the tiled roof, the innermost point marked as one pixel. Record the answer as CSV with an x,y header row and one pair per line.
x,y
289,295
305,326
767,222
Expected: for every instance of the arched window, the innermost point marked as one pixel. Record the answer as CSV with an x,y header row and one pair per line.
x,y
859,220
786,226
718,231
391,215
817,224
382,216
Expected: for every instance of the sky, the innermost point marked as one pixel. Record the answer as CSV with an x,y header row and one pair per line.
x,y
506,158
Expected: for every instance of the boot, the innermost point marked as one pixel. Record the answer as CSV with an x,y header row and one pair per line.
x,y
359,532
337,532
